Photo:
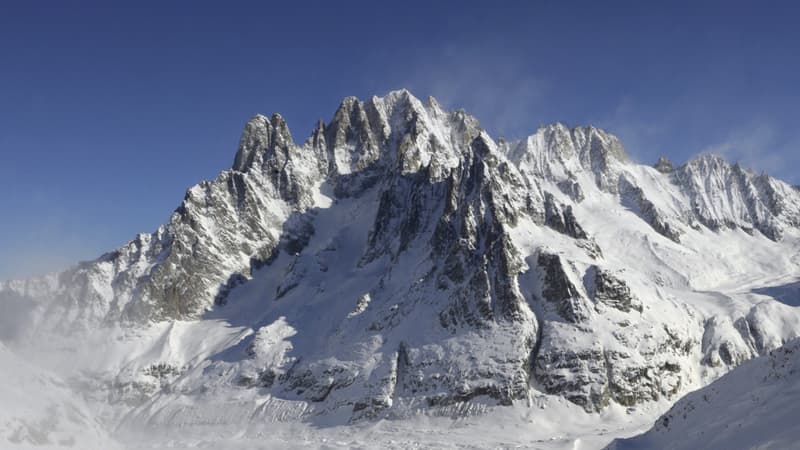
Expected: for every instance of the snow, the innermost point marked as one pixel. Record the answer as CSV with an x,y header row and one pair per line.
x,y
40,411
317,334
551,426
754,406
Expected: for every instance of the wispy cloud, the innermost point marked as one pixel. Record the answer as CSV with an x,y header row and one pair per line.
x,y
683,130
641,136
502,93
511,98
761,146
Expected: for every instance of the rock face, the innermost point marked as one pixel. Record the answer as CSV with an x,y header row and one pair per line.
x,y
727,196
559,290
612,291
401,259
635,198
561,218
664,165
557,153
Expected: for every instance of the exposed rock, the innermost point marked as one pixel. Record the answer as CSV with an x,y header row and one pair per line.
x,y
664,165
573,364
606,288
634,197
561,218
727,196
558,154
580,375
573,189
559,290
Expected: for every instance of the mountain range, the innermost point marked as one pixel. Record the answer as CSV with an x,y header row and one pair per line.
x,y
400,262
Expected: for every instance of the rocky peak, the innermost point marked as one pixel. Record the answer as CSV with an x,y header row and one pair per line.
x,y
599,143
559,154
708,163
723,195
396,133
354,137
664,165
259,136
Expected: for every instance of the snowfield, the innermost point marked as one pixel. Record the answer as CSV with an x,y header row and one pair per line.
x,y
401,280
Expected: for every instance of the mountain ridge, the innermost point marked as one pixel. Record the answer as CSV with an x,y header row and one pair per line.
x,y
400,258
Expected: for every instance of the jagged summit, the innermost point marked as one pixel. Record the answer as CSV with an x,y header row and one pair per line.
x,y
727,195
358,126
261,133
664,165
400,258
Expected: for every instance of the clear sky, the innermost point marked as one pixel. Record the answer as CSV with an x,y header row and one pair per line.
x,y
110,110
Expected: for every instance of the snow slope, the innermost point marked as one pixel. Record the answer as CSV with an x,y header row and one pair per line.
x,y
753,406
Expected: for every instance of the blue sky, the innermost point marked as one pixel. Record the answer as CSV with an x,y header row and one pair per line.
x,y
110,110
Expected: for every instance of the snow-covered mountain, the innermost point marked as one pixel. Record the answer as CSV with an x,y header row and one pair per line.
x,y
754,406
401,261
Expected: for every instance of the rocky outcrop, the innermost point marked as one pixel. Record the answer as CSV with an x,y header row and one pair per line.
x,y
730,342
561,218
606,288
579,375
559,291
591,365
664,165
634,197
594,370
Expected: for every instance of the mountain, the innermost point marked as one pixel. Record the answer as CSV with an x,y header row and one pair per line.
x,y
753,406
401,261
